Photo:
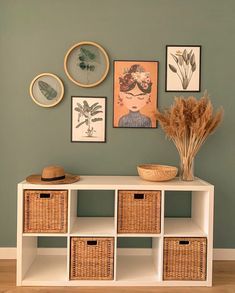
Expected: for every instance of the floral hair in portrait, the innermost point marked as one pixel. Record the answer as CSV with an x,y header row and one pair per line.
x,y
136,75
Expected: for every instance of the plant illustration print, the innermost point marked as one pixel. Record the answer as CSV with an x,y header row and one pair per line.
x,y
184,67
86,115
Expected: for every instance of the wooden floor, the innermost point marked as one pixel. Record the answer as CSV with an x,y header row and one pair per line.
x,y
223,282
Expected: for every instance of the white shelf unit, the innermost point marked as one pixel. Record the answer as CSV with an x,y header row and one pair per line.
x,y
132,267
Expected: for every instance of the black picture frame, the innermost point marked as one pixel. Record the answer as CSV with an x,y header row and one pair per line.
x,y
175,66
157,91
90,140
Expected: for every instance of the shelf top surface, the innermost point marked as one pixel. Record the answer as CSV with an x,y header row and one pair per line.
x,y
123,182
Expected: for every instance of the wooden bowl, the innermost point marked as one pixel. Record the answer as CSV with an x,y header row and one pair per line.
x,y
151,172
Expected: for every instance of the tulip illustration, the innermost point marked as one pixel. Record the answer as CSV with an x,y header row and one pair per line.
x,y
184,66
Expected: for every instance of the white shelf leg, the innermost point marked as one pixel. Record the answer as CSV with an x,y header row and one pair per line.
x,y
68,258
72,209
115,260
26,246
210,237
19,233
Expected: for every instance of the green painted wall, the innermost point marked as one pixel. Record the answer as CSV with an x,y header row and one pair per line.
x,y
34,37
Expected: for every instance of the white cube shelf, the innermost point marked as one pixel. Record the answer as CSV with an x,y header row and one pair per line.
x,y
132,267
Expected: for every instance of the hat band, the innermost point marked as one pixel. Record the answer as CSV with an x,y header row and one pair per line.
x,y
53,178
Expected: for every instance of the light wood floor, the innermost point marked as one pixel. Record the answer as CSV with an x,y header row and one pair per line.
x,y
223,279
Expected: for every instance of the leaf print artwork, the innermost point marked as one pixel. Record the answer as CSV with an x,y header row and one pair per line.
x,y
48,91
86,115
184,66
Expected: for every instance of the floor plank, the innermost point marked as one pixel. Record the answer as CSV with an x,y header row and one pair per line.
x,y
223,282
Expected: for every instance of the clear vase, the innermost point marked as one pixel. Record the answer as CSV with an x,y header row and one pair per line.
x,y
187,168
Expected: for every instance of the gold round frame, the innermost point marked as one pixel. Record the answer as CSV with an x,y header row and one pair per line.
x,y
106,59
60,83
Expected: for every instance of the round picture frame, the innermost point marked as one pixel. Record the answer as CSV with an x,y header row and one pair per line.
x,y
46,90
86,64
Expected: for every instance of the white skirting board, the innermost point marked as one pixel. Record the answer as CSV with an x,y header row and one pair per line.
x,y
218,253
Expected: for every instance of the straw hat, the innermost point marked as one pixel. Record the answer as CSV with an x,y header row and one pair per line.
x,y
53,175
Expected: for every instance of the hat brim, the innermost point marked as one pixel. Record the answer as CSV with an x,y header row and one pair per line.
x,y
69,178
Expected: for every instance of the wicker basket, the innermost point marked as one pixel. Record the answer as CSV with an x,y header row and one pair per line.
x,y
185,259
152,172
91,258
45,211
139,212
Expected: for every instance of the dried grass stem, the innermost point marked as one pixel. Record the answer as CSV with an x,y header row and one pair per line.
x,y
188,123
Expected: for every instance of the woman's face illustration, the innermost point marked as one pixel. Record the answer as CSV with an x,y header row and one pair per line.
x,y
135,99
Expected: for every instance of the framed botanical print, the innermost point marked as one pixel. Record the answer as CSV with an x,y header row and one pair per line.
x,y
86,64
183,68
46,90
88,119
135,94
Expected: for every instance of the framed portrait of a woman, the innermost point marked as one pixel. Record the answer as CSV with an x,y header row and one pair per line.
x,y
135,94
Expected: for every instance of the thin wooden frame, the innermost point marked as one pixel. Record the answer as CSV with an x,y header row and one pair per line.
x,y
105,118
34,98
166,68
157,83
106,59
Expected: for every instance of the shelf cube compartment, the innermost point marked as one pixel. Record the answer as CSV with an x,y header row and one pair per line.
x,y
91,258
39,267
189,217
139,211
45,211
88,218
185,258
135,264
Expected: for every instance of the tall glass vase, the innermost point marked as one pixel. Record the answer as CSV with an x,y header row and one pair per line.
x,y
187,168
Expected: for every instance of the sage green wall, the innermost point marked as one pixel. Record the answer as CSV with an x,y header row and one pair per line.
x,y
34,37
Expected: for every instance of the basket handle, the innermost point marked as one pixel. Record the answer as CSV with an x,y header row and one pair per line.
x,y
45,195
92,242
139,196
183,242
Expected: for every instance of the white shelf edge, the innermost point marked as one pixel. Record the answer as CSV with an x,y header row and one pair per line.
x,y
139,235
118,283
45,235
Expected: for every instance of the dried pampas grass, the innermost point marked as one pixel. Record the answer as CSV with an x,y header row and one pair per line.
x,y
188,123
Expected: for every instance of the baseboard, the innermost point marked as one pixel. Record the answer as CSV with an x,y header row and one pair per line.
x,y
7,253
218,253
224,254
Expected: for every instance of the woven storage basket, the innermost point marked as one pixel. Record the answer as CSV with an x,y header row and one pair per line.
x,y
45,211
91,258
139,212
185,259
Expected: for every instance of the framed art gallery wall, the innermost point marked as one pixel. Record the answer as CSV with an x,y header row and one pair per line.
x,y
35,38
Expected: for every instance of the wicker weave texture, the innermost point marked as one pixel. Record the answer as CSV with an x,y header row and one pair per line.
x,y
185,259
139,212
153,172
45,211
92,258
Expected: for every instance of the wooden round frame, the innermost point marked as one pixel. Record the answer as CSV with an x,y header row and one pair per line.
x,y
92,44
60,83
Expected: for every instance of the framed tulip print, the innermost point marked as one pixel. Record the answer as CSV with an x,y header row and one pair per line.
x,y
86,64
183,68
46,90
135,94
88,119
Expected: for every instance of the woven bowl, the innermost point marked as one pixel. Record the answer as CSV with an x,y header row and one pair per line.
x,y
152,172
